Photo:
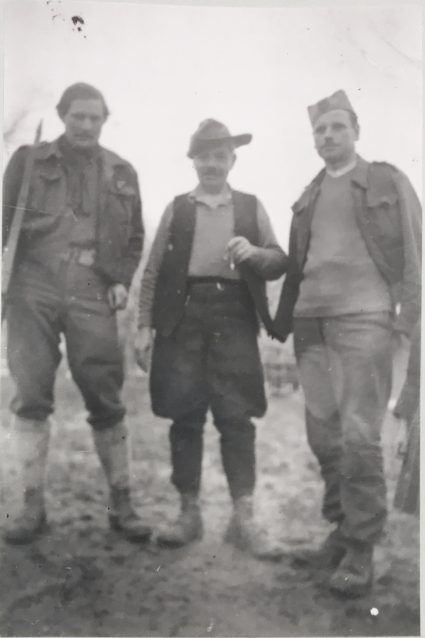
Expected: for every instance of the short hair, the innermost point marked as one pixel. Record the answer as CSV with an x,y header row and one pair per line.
x,y
79,91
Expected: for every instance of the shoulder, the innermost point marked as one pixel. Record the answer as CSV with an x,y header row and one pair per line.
x,y
242,195
306,194
117,163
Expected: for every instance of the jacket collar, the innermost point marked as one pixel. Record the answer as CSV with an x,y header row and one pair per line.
x,y
52,149
359,176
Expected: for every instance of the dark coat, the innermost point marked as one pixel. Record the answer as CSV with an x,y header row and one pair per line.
x,y
388,214
119,226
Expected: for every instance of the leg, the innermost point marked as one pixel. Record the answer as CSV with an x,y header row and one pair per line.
x,y
96,364
186,439
236,389
33,352
178,391
361,347
322,413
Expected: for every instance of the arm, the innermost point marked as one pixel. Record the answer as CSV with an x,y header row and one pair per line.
x,y
11,184
411,224
150,274
267,260
283,321
137,234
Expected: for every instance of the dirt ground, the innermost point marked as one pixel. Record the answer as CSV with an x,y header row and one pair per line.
x,y
82,579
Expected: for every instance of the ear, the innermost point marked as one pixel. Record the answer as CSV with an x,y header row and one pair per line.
x,y
357,132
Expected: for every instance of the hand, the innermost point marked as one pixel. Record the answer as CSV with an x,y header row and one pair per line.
x,y
117,297
143,348
239,249
402,436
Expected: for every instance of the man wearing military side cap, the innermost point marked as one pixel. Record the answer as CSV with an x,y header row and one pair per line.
x,y
352,290
202,290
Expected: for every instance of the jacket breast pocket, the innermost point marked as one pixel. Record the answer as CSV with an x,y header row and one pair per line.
x,y
383,217
122,200
44,196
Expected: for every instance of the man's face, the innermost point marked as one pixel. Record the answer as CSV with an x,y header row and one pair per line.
x,y
213,166
335,137
83,123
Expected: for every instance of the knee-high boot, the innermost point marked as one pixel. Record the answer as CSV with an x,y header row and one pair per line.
x,y
112,447
31,439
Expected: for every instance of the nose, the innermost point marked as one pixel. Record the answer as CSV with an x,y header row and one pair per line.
x,y
86,124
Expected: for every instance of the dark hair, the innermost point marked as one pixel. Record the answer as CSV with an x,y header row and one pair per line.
x,y
79,91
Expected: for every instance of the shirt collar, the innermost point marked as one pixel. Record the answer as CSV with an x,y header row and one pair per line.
x,y
342,171
224,198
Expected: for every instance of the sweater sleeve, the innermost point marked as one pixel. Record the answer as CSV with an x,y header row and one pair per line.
x,y
269,260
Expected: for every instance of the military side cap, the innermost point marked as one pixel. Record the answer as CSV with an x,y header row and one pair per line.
x,y
337,100
212,133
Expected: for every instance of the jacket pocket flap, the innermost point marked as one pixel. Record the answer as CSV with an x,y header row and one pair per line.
x,y
122,189
385,200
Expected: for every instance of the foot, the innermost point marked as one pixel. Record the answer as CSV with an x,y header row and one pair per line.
x,y
187,528
26,527
327,556
354,575
125,520
249,538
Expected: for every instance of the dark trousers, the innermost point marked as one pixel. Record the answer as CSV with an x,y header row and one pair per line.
x,y
345,370
73,304
211,361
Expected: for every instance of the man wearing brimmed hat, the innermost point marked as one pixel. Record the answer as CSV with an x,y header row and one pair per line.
x,y
202,290
351,291
79,246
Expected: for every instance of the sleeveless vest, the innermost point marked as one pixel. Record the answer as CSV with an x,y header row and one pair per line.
x,y
171,286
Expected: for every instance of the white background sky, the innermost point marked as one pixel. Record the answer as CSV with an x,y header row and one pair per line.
x,y
164,68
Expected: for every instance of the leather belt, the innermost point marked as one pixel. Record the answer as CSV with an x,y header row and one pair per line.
x,y
77,255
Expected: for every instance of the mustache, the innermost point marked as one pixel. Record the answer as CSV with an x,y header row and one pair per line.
x,y
211,172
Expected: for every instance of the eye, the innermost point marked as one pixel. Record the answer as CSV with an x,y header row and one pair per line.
x,y
338,127
319,130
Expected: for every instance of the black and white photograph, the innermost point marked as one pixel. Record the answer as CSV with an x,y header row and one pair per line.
x,y
211,318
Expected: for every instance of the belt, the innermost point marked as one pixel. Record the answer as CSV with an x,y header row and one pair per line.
x,y
218,282
77,255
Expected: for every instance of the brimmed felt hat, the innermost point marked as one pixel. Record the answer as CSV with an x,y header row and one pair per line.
x,y
213,133
337,100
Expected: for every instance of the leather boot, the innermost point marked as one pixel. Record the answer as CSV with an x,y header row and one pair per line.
x,y
354,575
187,527
327,556
244,533
112,448
32,441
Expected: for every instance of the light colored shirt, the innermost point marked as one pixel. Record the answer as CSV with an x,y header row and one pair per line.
x,y
340,276
214,227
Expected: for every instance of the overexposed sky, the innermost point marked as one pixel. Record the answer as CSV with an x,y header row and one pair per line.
x,y
163,69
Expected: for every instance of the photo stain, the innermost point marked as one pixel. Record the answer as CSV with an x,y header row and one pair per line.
x,y
78,22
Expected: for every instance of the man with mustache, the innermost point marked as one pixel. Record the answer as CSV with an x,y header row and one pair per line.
x,y
202,289
352,290
80,243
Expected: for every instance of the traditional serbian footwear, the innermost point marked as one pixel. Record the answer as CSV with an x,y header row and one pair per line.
x,y
30,523
244,533
188,526
124,519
